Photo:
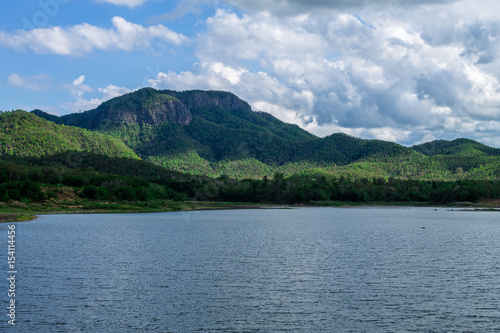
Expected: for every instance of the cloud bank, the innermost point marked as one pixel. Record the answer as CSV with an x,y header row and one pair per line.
x,y
409,75
84,38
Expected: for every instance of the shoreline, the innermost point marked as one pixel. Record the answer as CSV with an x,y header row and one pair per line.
x,y
23,212
16,217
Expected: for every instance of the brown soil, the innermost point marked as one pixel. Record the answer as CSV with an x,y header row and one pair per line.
x,y
64,194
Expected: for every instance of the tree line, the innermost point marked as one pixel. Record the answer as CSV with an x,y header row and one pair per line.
x,y
102,178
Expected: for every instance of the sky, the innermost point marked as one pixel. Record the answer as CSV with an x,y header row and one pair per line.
x,y
406,71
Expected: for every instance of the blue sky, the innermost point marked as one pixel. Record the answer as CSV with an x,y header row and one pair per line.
x,y
407,71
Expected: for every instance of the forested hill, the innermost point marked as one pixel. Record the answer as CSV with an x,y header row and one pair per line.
x,y
214,125
456,147
215,133
203,127
25,135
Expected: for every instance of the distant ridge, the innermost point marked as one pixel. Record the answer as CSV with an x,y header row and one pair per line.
x,y
216,133
217,126
459,146
144,106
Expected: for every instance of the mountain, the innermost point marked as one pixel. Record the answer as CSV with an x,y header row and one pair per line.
x,y
343,149
215,133
216,125
202,129
456,147
145,106
23,134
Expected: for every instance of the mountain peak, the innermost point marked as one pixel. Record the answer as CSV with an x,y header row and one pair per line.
x,y
144,106
193,99
151,106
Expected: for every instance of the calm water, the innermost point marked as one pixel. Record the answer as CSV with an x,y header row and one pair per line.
x,y
283,270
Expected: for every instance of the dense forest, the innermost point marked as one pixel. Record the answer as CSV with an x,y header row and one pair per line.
x,y
215,133
108,179
155,146
24,134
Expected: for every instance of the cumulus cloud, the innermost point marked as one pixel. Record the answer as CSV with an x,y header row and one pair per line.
x,y
77,89
81,103
112,91
35,82
80,39
370,74
262,91
79,80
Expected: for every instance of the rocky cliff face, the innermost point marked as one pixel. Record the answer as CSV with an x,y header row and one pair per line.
x,y
145,106
155,110
150,106
198,98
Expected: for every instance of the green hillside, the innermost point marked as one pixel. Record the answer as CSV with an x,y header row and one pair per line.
x,y
216,125
462,147
215,133
23,134
87,182
166,126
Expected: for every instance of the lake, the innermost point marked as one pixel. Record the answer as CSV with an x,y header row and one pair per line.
x,y
270,270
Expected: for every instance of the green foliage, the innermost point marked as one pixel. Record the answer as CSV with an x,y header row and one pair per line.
x,y
464,147
188,162
309,189
104,179
21,190
18,181
23,134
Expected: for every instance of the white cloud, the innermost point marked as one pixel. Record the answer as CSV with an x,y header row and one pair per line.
x,y
262,91
286,115
376,74
80,39
79,80
77,89
257,37
291,8
80,103
112,91
35,82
